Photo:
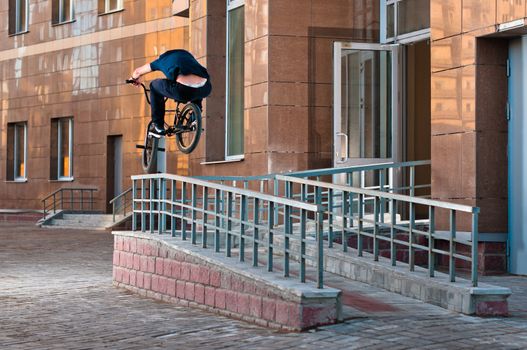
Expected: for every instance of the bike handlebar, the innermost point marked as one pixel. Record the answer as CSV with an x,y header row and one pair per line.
x,y
146,91
135,82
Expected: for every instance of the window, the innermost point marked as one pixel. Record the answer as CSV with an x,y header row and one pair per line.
x,y
108,6
405,20
61,160
18,16
235,78
16,151
62,11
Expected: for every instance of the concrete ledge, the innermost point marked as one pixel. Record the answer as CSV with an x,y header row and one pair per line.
x,y
166,268
460,296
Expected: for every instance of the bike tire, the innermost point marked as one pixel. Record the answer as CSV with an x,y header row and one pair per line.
x,y
149,157
187,141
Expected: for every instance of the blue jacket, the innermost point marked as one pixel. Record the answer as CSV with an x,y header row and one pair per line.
x,y
175,62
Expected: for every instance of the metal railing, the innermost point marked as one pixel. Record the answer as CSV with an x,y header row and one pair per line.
x,y
387,177
376,215
238,221
122,204
73,199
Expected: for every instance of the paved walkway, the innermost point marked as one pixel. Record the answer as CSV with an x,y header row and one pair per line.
x,y
56,293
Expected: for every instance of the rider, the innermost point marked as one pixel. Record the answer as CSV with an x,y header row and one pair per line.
x,y
186,80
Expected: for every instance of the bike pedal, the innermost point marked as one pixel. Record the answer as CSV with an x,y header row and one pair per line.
x,y
161,149
140,146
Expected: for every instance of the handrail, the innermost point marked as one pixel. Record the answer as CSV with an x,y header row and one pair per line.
x,y
357,168
351,218
235,190
386,195
122,205
178,205
59,203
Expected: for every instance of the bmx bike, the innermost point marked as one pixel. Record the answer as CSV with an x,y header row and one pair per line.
x,y
186,128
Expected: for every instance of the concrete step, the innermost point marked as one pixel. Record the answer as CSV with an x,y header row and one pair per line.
x,y
83,221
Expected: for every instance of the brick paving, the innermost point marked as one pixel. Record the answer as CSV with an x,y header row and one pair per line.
x,y
56,293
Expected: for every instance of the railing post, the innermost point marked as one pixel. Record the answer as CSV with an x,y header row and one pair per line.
x,y
475,241
345,210
412,181
113,212
411,249
270,226
183,211
393,214
287,234
381,199
134,218
82,200
451,258
431,232
204,217
217,220
376,204
276,194
303,219
360,223
243,218
330,218
173,194
194,203
143,215
320,248
228,238
54,203
151,205
256,221
91,200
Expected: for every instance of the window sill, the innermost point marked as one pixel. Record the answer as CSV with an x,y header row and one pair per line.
x,y
111,12
63,179
63,23
232,159
19,180
19,33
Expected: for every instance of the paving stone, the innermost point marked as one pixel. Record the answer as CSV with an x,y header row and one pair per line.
x,y
56,293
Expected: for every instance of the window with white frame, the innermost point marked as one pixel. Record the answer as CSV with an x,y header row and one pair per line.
x,y
405,20
61,160
62,11
108,6
16,151
235,79
18,16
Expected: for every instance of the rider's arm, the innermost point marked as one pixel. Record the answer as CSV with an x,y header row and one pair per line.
x,y
138,72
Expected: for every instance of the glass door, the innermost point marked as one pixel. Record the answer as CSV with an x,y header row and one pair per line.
x,y
366,120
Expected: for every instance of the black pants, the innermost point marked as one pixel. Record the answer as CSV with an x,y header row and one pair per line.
x,y
161,88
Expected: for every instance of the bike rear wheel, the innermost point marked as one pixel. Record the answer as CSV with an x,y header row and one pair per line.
x,y
149,158
188,127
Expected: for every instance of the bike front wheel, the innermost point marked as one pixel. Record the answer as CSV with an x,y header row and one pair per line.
x,y
149,158
188,127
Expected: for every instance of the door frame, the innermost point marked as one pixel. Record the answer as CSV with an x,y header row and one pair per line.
x,y
397,123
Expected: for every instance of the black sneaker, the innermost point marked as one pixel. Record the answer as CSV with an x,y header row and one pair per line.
x,y
157,131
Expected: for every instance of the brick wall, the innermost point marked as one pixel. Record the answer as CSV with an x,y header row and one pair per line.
x,y
154,269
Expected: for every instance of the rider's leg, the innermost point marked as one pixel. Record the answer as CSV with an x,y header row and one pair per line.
x,y
158,91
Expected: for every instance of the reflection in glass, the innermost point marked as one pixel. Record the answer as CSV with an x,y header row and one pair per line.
x,y
390,18
413,15
366,103
235,93
65,146
20,150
